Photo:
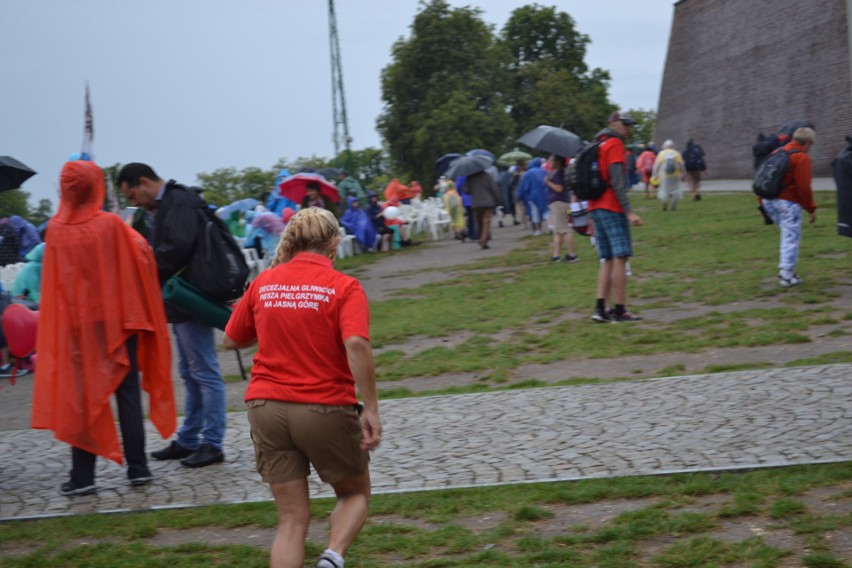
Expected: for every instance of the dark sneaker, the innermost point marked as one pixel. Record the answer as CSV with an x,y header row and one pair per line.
x,y
71,489
206,455
554,259
174,451
626,316
141,479
600,316
6,371
571,258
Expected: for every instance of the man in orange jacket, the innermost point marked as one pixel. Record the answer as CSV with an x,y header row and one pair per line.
x,y
796,196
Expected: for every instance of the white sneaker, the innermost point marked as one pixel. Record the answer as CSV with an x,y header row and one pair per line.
x,y
794,280
536,233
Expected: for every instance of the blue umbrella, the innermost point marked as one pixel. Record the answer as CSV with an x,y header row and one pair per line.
x,y
481,152
241,205
444,162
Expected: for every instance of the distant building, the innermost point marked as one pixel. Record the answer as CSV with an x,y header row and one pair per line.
x,y
738,67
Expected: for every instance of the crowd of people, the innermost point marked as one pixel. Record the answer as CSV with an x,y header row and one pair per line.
x,y
312,399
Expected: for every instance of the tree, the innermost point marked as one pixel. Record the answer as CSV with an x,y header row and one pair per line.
x,y
444,91
643,130
551,81
226,185
369,166
14,202
42,212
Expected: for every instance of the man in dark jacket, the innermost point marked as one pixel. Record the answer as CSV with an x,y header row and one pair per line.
x,y
173,223
485,196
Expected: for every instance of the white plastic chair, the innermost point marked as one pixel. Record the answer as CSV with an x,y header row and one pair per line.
x,y
346,246
252,260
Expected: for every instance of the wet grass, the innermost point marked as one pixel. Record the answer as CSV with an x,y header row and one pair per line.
x,y
709,258
659,521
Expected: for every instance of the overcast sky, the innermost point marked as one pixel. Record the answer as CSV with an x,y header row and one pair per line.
x,y
190,86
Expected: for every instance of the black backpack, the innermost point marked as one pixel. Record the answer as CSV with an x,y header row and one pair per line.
x,y
693,158
583,173
217,267
763,147
769,177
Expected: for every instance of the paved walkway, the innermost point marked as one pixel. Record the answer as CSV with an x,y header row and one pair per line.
x,y
692,423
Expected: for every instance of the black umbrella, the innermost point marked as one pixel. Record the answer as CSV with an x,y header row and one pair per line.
x,y
444,162
331,174
13,173
791,126
552,140
468,165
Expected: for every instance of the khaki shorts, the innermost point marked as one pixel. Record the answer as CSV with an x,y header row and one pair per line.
x,y
287,436
559,216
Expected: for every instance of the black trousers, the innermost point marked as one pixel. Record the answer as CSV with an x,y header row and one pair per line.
x,y
129,399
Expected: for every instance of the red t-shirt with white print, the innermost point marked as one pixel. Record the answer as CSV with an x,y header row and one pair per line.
x,y
301,312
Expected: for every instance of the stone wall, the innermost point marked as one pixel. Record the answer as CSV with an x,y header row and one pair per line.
x,y
738,67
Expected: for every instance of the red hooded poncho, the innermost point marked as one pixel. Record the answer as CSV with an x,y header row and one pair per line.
x,y
99,287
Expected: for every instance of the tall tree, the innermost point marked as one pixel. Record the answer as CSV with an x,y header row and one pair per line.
x,y
227,185
551,82
14,202
443,91
42,212
643,130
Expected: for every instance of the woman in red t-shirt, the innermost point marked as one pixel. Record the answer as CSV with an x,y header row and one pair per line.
x,y
311,325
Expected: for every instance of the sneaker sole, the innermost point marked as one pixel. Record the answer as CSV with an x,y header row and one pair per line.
x,y
600,319
80,491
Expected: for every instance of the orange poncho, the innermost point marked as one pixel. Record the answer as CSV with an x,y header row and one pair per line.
x,y
99,287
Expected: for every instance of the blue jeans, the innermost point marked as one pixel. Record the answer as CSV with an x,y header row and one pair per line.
x,y
204,415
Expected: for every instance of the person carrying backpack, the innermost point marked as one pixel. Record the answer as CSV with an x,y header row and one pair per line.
x,y
668,168
613,215
174,227
693,161
796,195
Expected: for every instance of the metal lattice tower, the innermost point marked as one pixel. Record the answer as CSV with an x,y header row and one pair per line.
x,y
341,136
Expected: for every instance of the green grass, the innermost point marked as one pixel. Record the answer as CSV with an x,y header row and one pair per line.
x,y
518,525
708,258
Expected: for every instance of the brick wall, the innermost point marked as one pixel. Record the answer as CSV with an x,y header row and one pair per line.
x,y
738,67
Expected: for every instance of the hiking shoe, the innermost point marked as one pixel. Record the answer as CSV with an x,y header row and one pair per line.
x,y
571,258
626,316
600,316
794,280
206,455
71,489
174,451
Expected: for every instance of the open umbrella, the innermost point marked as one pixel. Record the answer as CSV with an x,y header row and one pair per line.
x,y
295,187
790,126
481,152
13,173
468,165
444,161
553,140
241,205
511,158
330,173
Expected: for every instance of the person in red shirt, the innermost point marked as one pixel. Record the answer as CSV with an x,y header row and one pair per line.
x,y
797,195
311,326
613,215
